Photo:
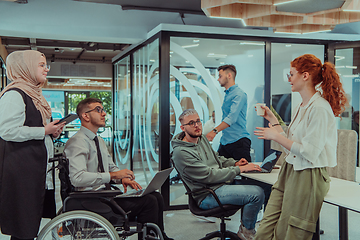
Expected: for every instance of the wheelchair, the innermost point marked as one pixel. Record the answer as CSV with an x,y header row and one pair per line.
x,y
92,214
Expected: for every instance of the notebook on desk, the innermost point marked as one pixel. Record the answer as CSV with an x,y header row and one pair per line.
x,y
269,162
155,184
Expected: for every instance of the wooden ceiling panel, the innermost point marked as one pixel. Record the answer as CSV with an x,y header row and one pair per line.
x,y
275,21
264,14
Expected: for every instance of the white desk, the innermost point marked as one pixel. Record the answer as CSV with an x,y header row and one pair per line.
x,y
342,193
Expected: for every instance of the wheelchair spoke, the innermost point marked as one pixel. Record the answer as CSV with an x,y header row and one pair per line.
x,y
78,225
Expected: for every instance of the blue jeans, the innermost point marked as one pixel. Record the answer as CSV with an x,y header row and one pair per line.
x,y
249,196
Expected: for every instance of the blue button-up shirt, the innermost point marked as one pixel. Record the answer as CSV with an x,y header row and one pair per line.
x,y
234,111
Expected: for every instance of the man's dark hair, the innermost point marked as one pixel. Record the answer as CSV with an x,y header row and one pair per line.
x,y
230,67
84,104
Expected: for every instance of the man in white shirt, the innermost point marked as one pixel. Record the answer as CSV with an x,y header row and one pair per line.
x,y
87,172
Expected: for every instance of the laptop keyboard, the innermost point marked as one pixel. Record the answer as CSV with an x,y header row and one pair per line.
x,y
137,193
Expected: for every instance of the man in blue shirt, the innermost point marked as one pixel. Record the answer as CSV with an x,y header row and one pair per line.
x,y
235,141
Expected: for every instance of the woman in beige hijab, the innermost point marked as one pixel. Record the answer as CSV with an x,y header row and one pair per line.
x,y
25,145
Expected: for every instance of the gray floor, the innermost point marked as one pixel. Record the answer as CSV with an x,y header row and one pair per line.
x,y
182,225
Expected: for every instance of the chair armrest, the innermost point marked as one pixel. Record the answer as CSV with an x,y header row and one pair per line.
x,y
95,194
212,192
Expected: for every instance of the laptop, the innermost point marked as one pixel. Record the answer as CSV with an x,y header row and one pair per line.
x,y
155,184
269,162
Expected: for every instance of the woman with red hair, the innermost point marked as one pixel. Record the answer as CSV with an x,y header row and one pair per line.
x,y
310,145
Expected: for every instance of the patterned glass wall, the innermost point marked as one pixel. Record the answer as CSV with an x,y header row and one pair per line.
x,y
146,112
193,84
122,111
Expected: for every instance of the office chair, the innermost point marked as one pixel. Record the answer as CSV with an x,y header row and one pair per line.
x,y
222,212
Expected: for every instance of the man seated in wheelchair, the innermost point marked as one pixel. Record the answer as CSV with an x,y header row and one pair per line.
x,y
91,167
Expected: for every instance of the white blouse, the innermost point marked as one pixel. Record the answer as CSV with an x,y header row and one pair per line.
x,y
12,108
314,133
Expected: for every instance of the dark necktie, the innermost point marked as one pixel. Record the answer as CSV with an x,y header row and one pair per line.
x,y
100,161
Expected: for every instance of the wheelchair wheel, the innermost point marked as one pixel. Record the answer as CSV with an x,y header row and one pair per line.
x,y
78,225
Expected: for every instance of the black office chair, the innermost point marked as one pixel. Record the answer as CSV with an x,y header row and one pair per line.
x,y
223,212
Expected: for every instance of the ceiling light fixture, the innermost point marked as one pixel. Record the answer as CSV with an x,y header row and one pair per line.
x,y
191,45
286,32
338,58
351,10
351,67
320,31
280,3
215,55
253,43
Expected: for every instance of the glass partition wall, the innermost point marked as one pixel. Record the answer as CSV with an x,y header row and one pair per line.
x,y
157,79
347,63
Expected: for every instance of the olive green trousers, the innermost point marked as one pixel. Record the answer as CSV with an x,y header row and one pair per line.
x,y
294,205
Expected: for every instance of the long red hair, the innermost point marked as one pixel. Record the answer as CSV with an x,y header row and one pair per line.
x,y
325,75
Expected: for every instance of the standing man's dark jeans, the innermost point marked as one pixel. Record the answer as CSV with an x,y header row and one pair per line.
x,y
236,150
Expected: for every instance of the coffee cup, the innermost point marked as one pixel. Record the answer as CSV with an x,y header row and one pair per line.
x,y
260,111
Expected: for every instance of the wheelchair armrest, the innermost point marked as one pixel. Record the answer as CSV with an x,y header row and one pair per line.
x,y
95,194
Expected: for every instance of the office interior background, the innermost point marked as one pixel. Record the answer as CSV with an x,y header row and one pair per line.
x,y
150,60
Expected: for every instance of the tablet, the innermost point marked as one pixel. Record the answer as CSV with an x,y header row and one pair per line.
x,y
69,118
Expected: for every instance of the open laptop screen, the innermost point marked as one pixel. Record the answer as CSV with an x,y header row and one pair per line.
x,y
271,159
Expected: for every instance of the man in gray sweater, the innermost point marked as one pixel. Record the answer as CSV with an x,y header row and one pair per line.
x,y
200,166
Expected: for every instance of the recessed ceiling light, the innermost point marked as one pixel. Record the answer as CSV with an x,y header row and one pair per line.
x,y
321,31
338,58
351,10
191,45
351,67
215,55
280,3
196,40
253,43
288,45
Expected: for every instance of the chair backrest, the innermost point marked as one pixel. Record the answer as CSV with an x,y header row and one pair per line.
x,y
63,165
346,151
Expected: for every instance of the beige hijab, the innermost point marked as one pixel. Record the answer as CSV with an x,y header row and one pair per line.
x,y
21,67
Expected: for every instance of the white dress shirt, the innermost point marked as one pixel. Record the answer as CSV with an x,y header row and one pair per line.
x,y
314,133
12,108
80,149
